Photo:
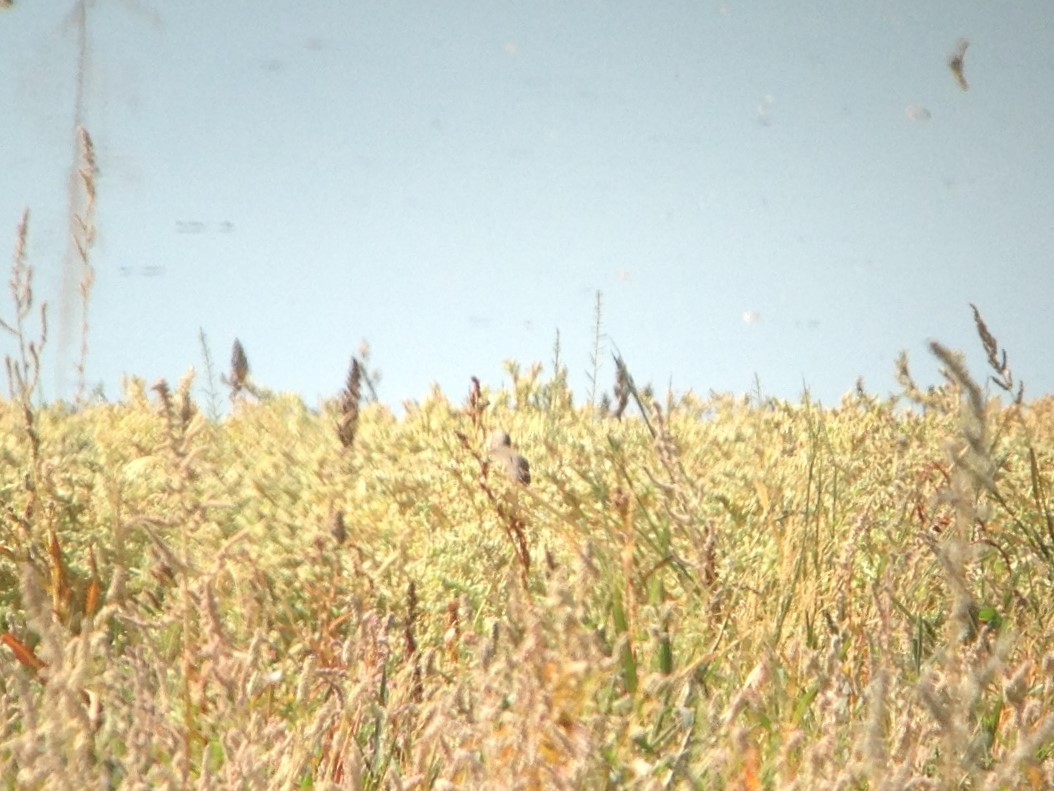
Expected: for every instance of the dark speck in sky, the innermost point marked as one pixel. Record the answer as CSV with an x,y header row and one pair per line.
x,y
956,64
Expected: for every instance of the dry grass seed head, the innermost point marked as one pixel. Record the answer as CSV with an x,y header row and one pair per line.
x,y
239,367
349,405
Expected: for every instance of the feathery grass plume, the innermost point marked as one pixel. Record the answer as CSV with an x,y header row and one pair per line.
x,y
165,394
178,419
906,380
239,368
622,385
84,240
370,378
337,527
187,410
555,395
597,352
557,362
78,192
683,495
758,393
211,395
452,636
412,654
975,428
477,406
526,387
24,372
639,397
348,425
997,360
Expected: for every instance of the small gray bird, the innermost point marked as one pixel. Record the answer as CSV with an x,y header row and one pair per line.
x,y
501,451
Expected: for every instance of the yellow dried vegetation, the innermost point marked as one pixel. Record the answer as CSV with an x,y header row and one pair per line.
x,y
709,592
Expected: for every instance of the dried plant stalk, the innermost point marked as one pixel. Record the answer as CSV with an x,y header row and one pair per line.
x,y
622,385
239,368
84,239
349,405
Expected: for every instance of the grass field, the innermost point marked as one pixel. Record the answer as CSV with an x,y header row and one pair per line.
x,y
691,592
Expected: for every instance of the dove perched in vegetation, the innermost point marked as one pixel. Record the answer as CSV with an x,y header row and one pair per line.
x,y
502,452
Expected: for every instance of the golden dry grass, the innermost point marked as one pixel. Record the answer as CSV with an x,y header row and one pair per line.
x,y
729,594
711,592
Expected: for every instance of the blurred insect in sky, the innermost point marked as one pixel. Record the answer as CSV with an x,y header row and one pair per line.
x,y
143,271
917,113
761,112
955,63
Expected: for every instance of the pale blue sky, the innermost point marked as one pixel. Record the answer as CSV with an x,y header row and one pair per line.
x,y
453,182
